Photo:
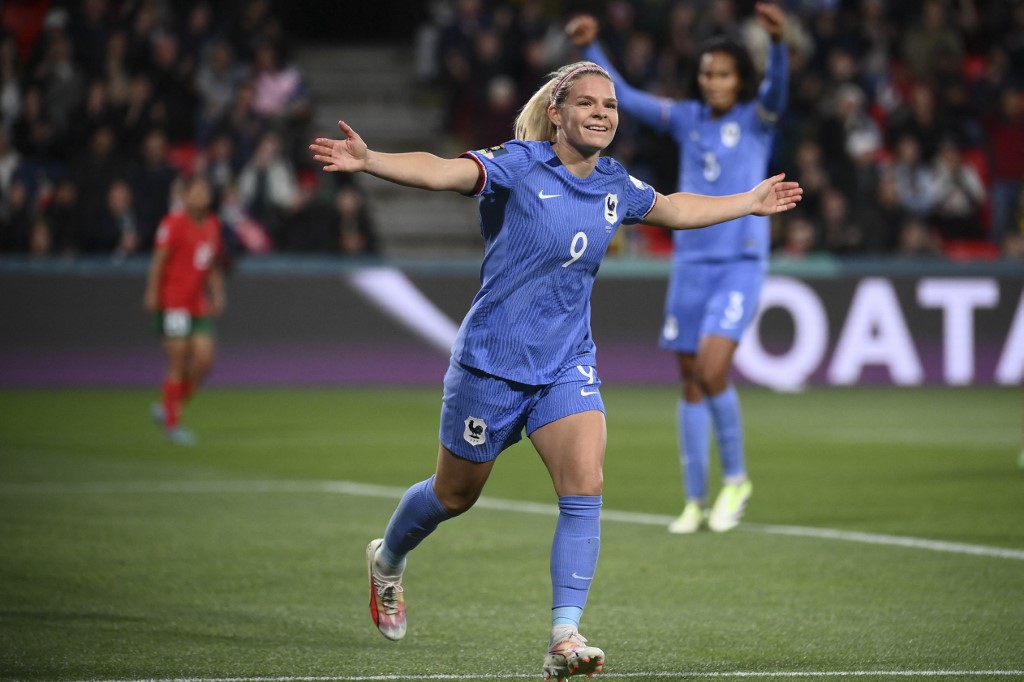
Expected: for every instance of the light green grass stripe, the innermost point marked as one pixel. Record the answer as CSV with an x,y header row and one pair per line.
x,y
516,506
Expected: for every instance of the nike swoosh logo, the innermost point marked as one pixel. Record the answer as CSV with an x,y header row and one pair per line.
x,y
547,196
585,392
581,577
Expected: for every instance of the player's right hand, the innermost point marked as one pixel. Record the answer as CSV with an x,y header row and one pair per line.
x,y
582,30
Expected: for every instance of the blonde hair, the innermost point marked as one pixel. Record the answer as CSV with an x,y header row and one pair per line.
x,y
533,123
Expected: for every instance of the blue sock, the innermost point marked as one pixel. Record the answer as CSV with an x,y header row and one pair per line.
x,y
725,413
574,552
694,430
416,517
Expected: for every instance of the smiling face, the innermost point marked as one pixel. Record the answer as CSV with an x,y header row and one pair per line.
x,y
589,115
719,81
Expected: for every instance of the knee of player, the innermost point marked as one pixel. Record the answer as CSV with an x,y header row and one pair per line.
x,y
457,502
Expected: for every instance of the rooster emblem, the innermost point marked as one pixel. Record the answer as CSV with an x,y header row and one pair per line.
x,y
476,431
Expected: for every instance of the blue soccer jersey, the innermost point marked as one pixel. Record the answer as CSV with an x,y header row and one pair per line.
x,y
717,156
545,233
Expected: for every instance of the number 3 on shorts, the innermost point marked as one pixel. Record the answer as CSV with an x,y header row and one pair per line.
x,y
177,323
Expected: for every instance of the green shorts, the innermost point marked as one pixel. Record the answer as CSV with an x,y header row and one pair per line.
x,y
179,324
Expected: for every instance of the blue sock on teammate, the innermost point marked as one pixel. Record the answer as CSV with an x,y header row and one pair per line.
x,y
416,517
694,420
574,553
725,414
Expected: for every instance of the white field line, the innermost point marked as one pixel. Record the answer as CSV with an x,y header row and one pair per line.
x,y
840,674
516,506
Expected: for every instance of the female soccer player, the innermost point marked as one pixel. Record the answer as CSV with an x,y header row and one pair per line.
x,y
185,264
524,356
725,140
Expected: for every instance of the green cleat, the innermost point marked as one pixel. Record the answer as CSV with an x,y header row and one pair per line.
x,y
729,506
689,521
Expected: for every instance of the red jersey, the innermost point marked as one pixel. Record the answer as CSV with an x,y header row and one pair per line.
x,y
192,250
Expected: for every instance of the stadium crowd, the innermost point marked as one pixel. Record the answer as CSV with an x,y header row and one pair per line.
x,y
905,122
107,105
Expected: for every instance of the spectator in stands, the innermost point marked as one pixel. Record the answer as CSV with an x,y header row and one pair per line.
x,y
917,240
114,71
1005,129
94,170
800,238
841,233
882,216
17,217
152,177
268,186
931,40
174,88
10,77
217,79
61,80
242,124
61,225
959,195
914,178
141,113
115,230
35,136
356,234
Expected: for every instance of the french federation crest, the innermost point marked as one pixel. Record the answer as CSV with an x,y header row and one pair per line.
x,y
475,432
611,208
731,134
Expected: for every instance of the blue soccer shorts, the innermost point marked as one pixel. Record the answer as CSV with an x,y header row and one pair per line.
x,y
482,415
710,299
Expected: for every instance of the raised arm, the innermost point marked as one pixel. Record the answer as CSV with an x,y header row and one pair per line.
x,y
775,86
684,211
652,110
413,169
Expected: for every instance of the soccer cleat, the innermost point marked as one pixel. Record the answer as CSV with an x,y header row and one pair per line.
x,y
387,602
179,435
729,506
156,413
689,521
568,655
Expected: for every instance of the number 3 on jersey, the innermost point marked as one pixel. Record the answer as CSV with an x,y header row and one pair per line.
x,y
576,249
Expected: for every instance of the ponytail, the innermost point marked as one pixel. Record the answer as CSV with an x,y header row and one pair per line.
x,y
533,123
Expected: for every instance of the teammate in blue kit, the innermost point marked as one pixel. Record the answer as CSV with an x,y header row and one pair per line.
x,y
725,141
524,357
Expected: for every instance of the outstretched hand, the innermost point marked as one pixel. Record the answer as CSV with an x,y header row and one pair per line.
x,y
347,156
582,30
773,195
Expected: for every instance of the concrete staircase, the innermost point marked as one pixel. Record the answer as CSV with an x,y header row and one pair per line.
x,y
376,91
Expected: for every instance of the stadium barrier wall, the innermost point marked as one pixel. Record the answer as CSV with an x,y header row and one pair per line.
x,y
324,322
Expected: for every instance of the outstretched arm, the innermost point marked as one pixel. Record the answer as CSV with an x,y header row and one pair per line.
x,y
654,111
775,86
684,211
413,169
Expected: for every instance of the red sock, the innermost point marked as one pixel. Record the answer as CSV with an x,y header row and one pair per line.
x,y
187,389
172,403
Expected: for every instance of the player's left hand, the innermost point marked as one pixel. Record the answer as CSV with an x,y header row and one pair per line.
x,y
772,18
773,195
348,155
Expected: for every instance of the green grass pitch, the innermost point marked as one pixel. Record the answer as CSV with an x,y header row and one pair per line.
x,y
884,540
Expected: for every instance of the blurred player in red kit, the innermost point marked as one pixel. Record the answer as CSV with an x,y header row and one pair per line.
x,y
184,290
